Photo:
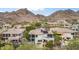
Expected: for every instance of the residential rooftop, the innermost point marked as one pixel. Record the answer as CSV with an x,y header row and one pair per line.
x,y
61,30
37,31
14,31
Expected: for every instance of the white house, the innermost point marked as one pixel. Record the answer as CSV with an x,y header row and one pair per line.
x,y
65,33
40,36
75,28
14,35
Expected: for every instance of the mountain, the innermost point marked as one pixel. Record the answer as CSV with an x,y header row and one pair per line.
x,y
21,15
24,15
41,17
68,15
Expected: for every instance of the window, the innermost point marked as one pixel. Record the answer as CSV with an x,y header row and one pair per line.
x,y
36,35
76,29
8,35
68,38
4,35
19,34
33,35
72,33
44,40
39,40
13,40
49,35
14,35
32,39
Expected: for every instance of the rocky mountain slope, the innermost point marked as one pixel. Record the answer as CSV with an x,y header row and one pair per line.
x,y
20,15
23,15
68,15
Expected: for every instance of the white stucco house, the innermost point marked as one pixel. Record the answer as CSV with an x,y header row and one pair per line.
x,y
14,35
40,36
75,28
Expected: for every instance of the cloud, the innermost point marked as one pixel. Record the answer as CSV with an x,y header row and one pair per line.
x,y
36,9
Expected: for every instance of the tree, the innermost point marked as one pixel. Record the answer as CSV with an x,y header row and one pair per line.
x,y
49,44
26,46
26,35
28,28
73,44
45,25
31,27
15,45
1,42
57,39
7,47
38,24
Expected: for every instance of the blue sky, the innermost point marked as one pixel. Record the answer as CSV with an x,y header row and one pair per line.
x,y
42,11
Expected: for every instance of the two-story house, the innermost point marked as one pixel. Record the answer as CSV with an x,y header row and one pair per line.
x,y
14,35
40,36
75,28
65,33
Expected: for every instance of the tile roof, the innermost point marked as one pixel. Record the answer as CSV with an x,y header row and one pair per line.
x,y
61,30
14,31
37,31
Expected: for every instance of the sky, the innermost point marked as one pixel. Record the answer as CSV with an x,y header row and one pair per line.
x,y
42,11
